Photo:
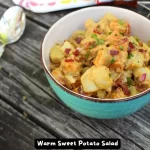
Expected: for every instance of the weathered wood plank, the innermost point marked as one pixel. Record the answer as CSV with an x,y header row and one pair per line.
x,y
30,66
48,19
16,131
50,114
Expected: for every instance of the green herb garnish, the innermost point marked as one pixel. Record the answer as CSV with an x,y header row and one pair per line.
x,y
122,33
112,60
115,34
130,55
129,81
121,22
101,41
109,74
110,33
121,47
98,41
137,39
92,46
94,36
87,55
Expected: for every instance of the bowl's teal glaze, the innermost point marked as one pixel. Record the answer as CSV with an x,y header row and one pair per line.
x,y
94,107
102,110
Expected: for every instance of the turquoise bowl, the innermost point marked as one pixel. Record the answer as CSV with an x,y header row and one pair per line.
x,y
94,107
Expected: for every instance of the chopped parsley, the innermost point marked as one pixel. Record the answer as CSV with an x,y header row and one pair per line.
x,y
101,41
115,34
130,55
87,55
129,81
121,22
136,38
122,33
92,46
112,60
110,33
109,74
98,41
94,36
134,43
121,47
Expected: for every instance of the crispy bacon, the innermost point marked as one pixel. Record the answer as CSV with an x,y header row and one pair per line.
x,y
143,77
67,50
122,41
76,53
114,52
78,40
69,60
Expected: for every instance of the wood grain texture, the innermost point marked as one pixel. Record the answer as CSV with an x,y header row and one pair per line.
x,y
48,19
51,115
16,131
22,75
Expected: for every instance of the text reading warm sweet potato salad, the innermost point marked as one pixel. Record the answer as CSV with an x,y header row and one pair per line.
x,y
102,61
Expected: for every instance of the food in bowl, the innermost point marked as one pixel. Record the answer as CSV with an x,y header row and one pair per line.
x,y
103,61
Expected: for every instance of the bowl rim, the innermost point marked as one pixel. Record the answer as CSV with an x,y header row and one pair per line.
x,y
92,99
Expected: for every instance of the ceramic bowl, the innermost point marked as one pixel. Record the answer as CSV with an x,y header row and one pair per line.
x,y
93,107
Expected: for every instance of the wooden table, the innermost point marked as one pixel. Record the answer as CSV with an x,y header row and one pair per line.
x,y
29,108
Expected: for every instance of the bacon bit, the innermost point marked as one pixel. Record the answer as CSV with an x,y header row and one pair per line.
x,y
118,82
131,45
114,52
125,90
140,43
127,30
142,50
143,77
141,87
122,41
69,60
96,31
67,50
76,53
78,40
129,49
80,91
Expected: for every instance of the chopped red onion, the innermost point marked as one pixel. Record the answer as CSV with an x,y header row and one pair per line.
x,y
114,52
67,50
76,52
143,77
69,60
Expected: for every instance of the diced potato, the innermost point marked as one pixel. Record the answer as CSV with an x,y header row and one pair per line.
x,y
67,45
133,40
56,54
101,93
87,82
87,42
108,17
70,79
138,72
120,61
57,74
136,60
118,93
113,38
71,68
103,58
101,77
133,90
105,22
90,24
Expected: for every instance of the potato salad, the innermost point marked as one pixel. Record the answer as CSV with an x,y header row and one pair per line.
x,y
102,61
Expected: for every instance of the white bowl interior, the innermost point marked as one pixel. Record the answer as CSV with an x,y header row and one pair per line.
x,y
62,29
